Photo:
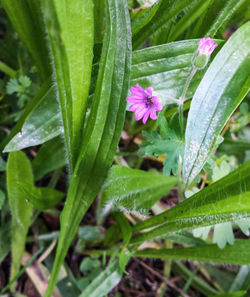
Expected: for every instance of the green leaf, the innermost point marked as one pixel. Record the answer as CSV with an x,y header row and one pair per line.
x,y
27,20
221,90
105,282
106,118
50,157
167,11
12,86
99,19
169,142
2,199
90,233
229,7
5,240
238,254
38,98
133,190
2,164
18,170
197,283
41,198
72,55
91,268
41,124
226,200
139,22
223,234
244,225
234,294
196,10
126,229
240,278
25,81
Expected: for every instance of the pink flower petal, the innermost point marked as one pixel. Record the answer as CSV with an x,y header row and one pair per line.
x,y
136,92
153,115
157,104
149,90
140,114
134,99
139,88
133,107
145,117
144,104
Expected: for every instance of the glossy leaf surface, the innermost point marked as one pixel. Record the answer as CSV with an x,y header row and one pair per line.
x,y
221,90
166,68
70,26
106,118
41,124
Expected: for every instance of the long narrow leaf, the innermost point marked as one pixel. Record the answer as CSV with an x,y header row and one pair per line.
x,y
103,128
71,47
221,90
238,254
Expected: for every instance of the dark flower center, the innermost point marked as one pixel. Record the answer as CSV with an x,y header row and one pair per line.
x,y
149,101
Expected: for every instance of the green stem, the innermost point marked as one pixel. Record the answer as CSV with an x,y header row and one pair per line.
x,y
183,97
7,70
180,181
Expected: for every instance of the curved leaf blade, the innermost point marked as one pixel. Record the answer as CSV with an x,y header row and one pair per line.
x,y
238,254
226,200
221,90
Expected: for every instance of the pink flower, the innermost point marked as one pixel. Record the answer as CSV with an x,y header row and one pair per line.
x,y
144,104
206,46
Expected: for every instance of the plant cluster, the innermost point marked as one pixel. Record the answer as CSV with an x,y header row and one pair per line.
x,y
124,137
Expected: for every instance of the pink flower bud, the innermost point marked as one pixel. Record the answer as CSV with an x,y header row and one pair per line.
x,y
201,56
206,46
